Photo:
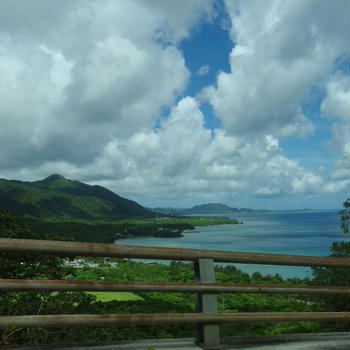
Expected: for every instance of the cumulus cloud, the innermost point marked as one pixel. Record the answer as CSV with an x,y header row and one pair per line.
x,y
336,106
281,50
76,75
83,84
182,162
336,103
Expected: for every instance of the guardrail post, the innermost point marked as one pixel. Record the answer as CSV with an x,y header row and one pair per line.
x,y
206,335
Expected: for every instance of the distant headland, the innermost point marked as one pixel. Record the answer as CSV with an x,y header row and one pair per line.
x,y
217,208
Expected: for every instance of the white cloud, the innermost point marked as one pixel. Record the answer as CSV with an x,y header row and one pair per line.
x,y
181,162
75,76
178,17
204,70
336,106
29,96
267,192
314,184
83,83
282,50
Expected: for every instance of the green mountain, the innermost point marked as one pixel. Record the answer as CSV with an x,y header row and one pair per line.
x,y
57,197
210,208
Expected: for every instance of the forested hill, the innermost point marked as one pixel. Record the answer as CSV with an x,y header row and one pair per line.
x,y
57,197
215,208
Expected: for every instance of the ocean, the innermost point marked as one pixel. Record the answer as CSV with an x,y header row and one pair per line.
x,y
298,233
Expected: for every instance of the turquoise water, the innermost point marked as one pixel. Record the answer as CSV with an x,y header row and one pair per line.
x,y
297,233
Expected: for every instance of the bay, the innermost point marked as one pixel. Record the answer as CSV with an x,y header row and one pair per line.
x,y
297,233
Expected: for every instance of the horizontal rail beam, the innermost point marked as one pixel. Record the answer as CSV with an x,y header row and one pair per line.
x,y
60,248
149,319
106,286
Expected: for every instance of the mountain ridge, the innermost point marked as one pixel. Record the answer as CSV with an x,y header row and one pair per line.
x,y
58,197
214,208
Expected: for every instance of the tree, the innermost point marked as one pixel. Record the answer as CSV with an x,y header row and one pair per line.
x,y
32,303
345,216
336,276
25,266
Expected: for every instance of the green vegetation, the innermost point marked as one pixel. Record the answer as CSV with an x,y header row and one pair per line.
x,y
108,232
24,266
335,276
60,207
198,220
118,296
39,267
345,216
60,198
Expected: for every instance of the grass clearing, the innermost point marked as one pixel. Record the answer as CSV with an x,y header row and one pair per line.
x,y
119,296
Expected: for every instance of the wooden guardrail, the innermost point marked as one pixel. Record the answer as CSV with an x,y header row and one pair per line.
x,y
206,317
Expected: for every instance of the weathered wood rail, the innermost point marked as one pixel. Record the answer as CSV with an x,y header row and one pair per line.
x,y
206,318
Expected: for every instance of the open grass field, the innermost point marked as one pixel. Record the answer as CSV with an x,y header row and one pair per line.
x,y
110,296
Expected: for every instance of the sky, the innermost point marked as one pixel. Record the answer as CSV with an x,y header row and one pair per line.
x,y
177,103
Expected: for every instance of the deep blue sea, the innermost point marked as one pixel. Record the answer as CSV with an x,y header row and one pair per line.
x,y
297,233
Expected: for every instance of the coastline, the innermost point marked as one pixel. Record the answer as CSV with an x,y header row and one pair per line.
x,y
308,233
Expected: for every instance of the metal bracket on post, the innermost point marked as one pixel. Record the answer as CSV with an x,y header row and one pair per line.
x,y
206,335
